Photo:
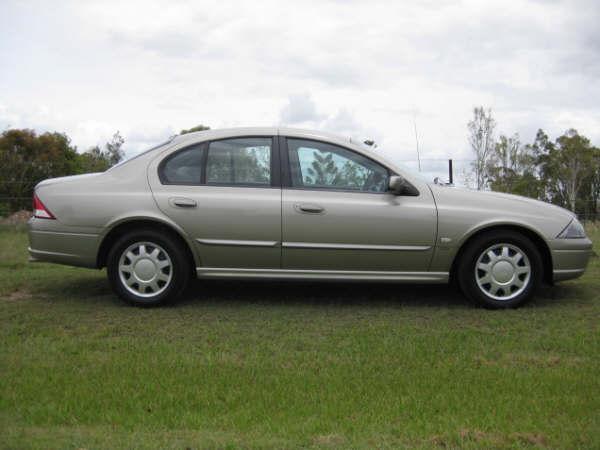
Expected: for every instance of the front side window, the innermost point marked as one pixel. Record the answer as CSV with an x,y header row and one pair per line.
x,y
183,167
244,161
325,166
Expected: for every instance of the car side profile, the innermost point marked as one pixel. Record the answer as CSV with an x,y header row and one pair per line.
x,y
278,203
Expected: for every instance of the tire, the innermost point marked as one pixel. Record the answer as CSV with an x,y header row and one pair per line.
x,y
158,276
500,269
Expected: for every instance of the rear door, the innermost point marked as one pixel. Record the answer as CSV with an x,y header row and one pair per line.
x,y
226,194
338,215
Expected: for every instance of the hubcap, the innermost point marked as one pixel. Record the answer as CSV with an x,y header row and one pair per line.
x,y
145,269
502,271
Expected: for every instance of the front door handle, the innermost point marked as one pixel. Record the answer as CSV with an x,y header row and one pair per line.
x,y
308,208
182,202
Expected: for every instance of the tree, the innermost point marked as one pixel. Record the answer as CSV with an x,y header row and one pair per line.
x,y
511,167
196,128
93,160
481,137
540,148
97,160
354,175
27,158
323,170
114,153
565,166
589,195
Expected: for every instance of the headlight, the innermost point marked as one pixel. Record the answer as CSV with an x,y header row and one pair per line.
x,y
572,231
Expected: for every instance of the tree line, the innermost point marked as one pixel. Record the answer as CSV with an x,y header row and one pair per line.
x,y
27,158
564,171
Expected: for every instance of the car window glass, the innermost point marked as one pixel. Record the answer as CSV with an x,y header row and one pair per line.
x,y
184,167
322,166
239,161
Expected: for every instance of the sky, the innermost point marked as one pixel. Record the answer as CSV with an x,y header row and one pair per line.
x,y
366,69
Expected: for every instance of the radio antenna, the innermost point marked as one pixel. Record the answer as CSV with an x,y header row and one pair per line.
x,y
416,138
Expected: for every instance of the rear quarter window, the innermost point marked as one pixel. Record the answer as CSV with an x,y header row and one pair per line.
x,y
182,167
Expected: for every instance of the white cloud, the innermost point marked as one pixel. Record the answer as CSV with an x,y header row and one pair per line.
x,y
300,109
366,69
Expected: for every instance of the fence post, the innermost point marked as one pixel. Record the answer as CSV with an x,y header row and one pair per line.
x,y
450,172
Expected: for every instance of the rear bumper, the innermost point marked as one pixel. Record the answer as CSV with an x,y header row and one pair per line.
x,y
51,242
570,257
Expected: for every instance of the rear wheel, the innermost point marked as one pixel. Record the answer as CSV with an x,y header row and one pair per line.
x,y
500,269
148,268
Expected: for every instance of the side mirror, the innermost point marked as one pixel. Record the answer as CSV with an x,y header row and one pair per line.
x,y
396,184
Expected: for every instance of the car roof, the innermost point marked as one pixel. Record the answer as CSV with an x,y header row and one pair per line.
x,y
222,133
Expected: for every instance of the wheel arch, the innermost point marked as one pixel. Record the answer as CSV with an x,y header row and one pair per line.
x,y
534,236
123,226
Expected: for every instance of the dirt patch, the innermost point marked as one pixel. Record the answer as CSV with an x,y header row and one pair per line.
x,y
479,436
527,360
486,439
17,218
440,441
329,440
17,296
531,438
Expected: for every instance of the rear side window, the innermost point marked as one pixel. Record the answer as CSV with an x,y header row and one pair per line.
x,y
184,167
241,161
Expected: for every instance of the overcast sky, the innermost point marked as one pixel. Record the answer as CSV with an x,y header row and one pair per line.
x,y
364,69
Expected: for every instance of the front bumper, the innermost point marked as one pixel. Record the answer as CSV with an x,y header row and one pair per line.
x,y
570,257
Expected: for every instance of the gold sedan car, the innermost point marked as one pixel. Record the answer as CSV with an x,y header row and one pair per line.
x,y
278,203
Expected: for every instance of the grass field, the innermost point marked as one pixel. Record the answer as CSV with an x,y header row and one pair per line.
x,y
254,365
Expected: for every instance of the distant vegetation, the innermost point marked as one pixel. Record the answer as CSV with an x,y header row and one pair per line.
x,y
565,171
26,158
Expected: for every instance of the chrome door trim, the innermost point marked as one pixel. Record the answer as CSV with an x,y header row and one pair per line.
x,y
237,243
418,248
358,275
64,233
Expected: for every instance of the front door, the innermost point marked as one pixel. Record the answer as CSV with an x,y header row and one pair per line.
x,y
338,215
226,195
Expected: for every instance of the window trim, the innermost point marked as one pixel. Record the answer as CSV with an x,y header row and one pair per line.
x,y
204,146
287,168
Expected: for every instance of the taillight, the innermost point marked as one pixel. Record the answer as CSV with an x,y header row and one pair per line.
x,y
39,210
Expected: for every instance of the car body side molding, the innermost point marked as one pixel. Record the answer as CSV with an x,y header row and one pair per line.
x,y
346,275
355,246
238,243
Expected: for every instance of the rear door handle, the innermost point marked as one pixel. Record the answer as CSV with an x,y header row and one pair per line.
x,y
182,202
308,208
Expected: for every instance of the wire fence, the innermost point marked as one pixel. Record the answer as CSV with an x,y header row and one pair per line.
x,y
461,174
10,205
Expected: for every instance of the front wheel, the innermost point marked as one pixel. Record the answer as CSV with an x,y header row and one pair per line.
x,y
147,268
500,269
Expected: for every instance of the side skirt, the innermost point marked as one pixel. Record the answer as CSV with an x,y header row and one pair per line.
x,y
405,277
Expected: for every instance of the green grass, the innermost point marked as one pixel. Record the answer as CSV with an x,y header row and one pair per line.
x,y
254,365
